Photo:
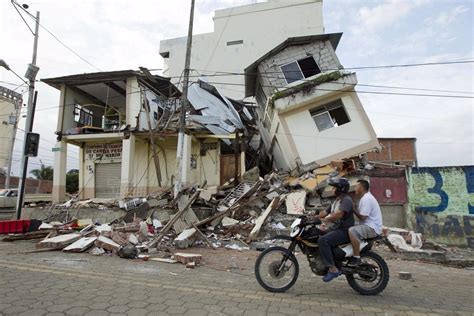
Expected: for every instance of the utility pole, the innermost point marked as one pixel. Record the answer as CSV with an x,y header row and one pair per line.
x,y
184,106
29,118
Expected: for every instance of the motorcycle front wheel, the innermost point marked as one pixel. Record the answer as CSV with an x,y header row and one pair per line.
x,y
276,269
372,276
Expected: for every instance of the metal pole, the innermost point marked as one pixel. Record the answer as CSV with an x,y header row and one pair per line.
x,y
15,125
184,106
29,123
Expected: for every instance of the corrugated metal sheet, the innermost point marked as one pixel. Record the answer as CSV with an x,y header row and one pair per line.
x,y
389,189
107,180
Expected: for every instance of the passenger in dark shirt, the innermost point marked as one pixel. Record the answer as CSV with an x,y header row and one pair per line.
x,y
337,218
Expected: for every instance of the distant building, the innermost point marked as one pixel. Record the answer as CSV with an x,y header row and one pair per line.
x,y
241,35
10,105
395,152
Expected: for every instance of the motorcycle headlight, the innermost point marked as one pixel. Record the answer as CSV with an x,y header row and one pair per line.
x,y
295,231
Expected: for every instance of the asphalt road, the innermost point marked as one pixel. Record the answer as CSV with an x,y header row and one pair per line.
x,y
57,283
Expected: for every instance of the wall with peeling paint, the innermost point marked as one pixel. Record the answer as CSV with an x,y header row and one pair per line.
x,y
441,203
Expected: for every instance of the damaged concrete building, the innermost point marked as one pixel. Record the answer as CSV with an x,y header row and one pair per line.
x,y
119,119
307,106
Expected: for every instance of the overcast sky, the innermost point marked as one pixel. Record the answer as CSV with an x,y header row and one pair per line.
x,y
120,34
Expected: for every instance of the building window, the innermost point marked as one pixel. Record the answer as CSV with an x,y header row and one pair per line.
x,y
300,69
330,115
82,115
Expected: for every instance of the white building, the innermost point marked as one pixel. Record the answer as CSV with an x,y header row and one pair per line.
x,y
10,105
241,35
308,109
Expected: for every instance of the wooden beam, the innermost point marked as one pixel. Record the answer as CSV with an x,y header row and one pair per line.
x,y
90,96
116,88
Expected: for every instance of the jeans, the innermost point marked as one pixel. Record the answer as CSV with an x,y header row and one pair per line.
x,y
329,240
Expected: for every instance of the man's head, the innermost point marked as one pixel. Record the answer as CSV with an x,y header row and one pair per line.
x,y
341,185
362,187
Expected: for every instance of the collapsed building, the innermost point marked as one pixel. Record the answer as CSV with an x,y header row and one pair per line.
x,y
126,123
307,107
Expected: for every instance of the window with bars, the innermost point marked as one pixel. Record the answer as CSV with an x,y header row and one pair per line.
x,y
300,69
330,115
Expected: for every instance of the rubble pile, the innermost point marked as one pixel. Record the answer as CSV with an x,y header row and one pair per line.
x,y
231,216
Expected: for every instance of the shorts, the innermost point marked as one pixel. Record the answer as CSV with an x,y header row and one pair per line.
x,y
362,232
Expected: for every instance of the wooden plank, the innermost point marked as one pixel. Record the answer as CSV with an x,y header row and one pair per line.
x,y
261,220
173,220
59,242
204,238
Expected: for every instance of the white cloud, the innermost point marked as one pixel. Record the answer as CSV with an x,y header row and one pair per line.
x,y
446,18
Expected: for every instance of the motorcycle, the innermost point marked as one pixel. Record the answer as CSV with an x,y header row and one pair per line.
x,y
277,268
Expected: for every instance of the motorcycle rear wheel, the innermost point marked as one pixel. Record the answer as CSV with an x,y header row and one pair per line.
x,y
267,269
376,269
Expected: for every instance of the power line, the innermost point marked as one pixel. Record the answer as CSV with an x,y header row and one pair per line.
x,y
66,46
367,92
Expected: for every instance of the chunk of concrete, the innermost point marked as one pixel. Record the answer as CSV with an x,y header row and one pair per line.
x,y
295,202
186,238
59,242
107,244
81,245
227,221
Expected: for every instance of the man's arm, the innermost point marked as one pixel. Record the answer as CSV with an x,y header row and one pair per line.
x,y
362,212
334,216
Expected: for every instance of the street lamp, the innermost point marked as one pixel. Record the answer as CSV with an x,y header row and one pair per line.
x,y
32,95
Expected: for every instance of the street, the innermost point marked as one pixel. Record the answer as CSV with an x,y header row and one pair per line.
x,y
57,283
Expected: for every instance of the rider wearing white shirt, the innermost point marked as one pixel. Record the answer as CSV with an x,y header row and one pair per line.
x,y
370,219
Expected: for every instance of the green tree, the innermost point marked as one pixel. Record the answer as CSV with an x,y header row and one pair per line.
x,y
72,181
43,173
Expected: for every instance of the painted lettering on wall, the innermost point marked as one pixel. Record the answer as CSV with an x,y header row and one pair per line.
x,y
442,200
103,151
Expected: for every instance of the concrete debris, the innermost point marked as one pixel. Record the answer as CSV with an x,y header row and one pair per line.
x,y
186,258
249,209
227,221
81,245
58,242
404,275
107,244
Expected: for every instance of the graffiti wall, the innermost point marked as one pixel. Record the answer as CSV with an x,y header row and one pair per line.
x,y
441,203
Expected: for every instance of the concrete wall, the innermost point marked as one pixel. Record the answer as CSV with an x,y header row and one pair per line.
x,y
298,134
260,27
33,186
442,203
272,78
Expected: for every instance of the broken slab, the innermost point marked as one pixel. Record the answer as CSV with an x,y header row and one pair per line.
x,y
165,260
227,221
58,242
310,184
295,202
186,258
186,238
107,243
81,245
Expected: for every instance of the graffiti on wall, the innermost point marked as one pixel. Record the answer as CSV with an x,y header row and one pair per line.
x,y
443,201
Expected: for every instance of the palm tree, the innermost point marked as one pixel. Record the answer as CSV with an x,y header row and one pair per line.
x,y
43,173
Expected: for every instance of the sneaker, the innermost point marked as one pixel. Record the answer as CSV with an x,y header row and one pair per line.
x,y
331,276
354,262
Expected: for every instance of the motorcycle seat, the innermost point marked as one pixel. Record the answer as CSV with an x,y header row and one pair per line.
x,y
378,237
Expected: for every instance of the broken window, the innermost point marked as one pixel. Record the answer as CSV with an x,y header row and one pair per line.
x,y
300,69
82,115
330,115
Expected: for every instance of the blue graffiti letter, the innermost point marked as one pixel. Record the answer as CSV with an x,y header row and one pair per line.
x,y
469,173
436,189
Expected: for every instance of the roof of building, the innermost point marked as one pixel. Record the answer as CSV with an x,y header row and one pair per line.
x,y
161,84
251,71
397,138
